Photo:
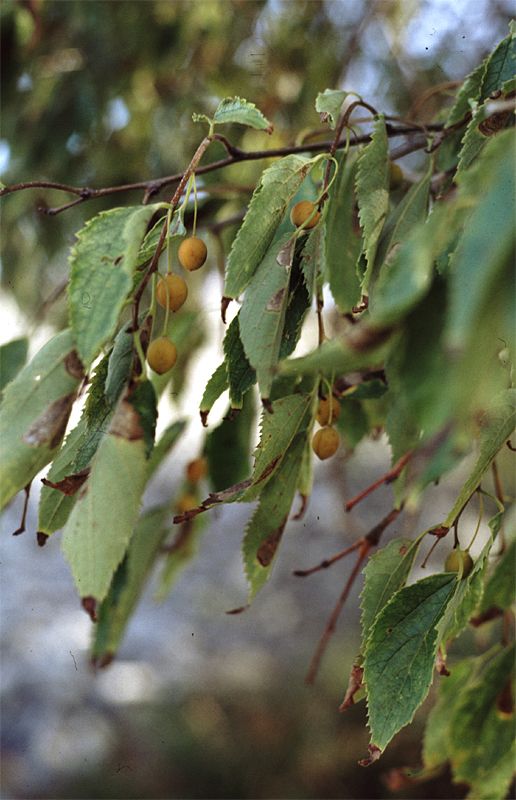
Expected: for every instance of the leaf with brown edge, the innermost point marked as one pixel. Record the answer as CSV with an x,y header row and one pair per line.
x,y
34,413
69,485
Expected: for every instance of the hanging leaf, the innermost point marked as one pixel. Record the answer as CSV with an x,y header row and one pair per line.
x,y
497,426
278,185
338,356
501,65
128,583
100,525
34,413
181,550
410,211
231,436
386,572
240,374
236,109
400,655
465,600
262,316
436,742
482,748
468,92
264,532
312,259
13,356
216,386
343,241
329,105
103,262
164,445
499,590
484,248
372,190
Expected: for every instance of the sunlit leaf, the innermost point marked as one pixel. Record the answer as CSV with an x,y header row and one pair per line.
x,y
236,109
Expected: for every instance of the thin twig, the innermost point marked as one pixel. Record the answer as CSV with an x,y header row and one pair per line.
x,y
335,614
302,573
389,476
153,186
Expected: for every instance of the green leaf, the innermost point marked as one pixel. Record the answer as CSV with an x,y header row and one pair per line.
x,y
497,427
410,211
353,423
228,444
481,739
290,415
182,550
499,590
262,316
13,356
342,240
165,444
187,331
487,242
216,386
469,91
386,572
129,582
151,240
119,365
278,185
339,356
297,304
465,600
372,190
400,655
268,522
103,262
236,109
472,142
34,413
436,740
329,105
100,525
54,505
501,66
240,374
312,259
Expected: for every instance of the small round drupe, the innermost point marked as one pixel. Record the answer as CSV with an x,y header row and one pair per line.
x,y
323,411
196,470
455,559
192,253
176,288
161,355
300,213
325,443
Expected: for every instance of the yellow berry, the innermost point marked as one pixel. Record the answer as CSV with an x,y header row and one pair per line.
x,y
325,443
186,502
196,470
395,175
323,411
192,253
455,559
161,355
300,213
176,288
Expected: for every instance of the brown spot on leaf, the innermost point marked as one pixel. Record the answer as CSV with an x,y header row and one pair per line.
x,y
276,301
48,429
439,531
70,484
505,701
73,365
126,422
268,547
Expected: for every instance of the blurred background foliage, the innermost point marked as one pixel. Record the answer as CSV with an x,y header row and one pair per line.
x,y
102,93
99,94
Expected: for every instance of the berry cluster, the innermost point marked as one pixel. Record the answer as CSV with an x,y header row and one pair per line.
x,y
326,440
171,293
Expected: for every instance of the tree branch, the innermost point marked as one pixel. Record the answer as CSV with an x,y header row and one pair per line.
x,y
154,186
